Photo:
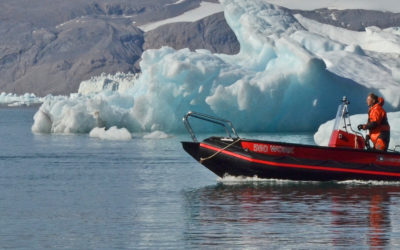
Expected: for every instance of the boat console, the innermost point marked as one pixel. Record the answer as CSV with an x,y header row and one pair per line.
x,y
343,135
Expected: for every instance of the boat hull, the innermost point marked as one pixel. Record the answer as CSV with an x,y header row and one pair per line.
x,y
266,159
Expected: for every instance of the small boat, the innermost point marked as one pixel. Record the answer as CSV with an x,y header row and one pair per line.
x,y
348,156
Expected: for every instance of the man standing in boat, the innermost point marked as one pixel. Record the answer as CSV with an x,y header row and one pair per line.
x,y
378,125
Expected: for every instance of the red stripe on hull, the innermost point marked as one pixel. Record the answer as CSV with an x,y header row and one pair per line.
x,y
323,154
299,166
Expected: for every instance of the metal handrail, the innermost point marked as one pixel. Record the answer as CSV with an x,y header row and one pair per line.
x,y
347,121
228,126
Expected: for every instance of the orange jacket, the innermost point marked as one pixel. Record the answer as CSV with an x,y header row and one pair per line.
x,y
377,120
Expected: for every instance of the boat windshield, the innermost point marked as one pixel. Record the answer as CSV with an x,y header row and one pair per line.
x,y
340,115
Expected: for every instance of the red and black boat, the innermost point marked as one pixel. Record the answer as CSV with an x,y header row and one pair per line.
x,y
347,157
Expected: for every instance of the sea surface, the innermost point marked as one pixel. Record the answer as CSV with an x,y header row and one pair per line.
x,y
77,192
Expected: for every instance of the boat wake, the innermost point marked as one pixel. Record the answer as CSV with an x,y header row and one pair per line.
x,y
240,180
370,183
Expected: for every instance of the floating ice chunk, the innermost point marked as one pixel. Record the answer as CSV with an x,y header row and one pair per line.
x,y
113,133
42,122
80,114
322,136
14,100
156,135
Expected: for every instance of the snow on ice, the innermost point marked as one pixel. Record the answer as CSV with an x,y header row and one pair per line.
x,y
288,76
205,9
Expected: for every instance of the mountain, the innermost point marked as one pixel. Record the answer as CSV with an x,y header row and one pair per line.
x,y
211,33
50,46
57,60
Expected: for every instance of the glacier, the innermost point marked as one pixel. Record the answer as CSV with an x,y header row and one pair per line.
x,y
289,75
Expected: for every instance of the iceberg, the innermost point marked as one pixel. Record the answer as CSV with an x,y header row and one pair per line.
x,y
288,76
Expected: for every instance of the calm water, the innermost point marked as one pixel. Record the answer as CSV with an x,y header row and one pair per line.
x,y
77,192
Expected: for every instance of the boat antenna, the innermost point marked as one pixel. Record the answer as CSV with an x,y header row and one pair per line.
x,y
345,101
347,123
345,112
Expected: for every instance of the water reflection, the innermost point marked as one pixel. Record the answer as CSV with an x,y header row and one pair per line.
x,y
294,215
